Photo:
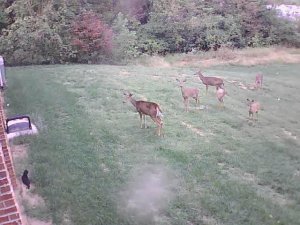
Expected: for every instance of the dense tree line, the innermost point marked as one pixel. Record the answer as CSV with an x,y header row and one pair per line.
x,y
92,31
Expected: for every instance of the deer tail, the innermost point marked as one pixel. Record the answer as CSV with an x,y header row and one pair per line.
x,y
159,112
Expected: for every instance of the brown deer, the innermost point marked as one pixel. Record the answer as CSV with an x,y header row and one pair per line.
x,y
188,92
220,95
210,81
147,108
258,80
253,108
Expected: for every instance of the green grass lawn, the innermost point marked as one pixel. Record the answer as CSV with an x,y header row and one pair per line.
x,y
93,164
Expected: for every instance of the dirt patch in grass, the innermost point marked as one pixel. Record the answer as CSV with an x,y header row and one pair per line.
x,y
24,197
19,151
289,134
195,130
242,85
228,151
124,73
297,174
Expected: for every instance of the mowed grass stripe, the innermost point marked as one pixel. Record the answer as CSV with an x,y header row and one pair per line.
x,y
83,167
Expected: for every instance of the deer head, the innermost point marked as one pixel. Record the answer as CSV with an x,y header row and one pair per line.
x,y
181,82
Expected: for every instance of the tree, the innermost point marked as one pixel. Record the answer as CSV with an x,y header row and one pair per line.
x,y
91,38
124,40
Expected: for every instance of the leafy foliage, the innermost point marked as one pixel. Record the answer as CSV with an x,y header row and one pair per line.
x,y
124,40
91,38
59,31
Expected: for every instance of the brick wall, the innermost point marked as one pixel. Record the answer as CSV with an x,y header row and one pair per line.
x,y
9,212
5,150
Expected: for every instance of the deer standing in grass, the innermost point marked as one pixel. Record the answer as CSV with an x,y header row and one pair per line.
x,y
147,108
188,92
210,81
220,95
258,80
253,108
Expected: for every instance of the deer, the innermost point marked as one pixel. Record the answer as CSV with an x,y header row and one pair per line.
x,y
258,80
188,92
145,108
220,95
254,107
210,81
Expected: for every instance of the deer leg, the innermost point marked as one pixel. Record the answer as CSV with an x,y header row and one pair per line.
x,y
222,103
197,100
141,120
145,121
206,88
158,130
185,104
158,123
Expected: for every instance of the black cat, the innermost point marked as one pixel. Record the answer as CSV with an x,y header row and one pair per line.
x,y
25,179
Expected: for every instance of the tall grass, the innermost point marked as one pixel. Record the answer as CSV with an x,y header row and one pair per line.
x,y
93,164
226,56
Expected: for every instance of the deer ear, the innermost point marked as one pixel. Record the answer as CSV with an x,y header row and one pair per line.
x,y
130,94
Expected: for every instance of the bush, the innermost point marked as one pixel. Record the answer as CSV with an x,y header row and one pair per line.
x,y
92,39
124,40
31,41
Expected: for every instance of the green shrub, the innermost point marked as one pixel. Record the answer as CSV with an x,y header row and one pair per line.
x,y
124,40
31,41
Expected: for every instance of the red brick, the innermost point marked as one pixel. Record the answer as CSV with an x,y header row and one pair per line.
x,y
7,159
2,174
6,197
9,210
17,222
2,205
8,165
10,202
14,216
3,182
4,219
10,169
2,166
14,183
4,189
